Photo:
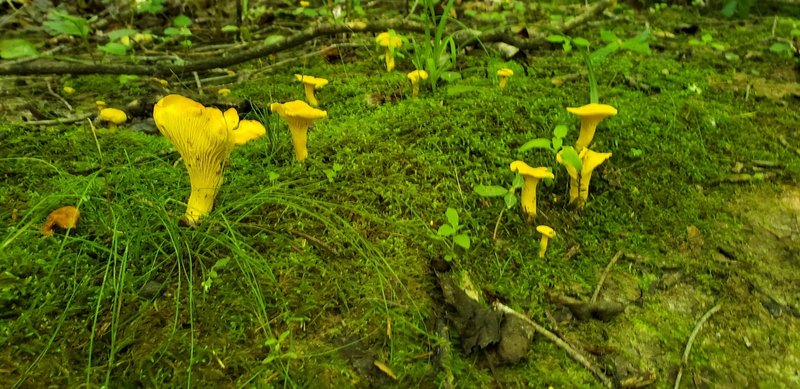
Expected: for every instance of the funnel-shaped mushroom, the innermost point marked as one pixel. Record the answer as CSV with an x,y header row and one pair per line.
x,y
547,234
590,116
389,42
247,131
573,177
113,117
310,84
531,177
204,137
504,74
299,116
591,160
414,77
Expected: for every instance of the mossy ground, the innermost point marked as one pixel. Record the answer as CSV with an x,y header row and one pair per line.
x,y
129,297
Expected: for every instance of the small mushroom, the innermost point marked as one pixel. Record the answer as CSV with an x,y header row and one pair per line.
x,y
547,234
311,84
504,74
414,77
64,218
113,117
573,177
68,90
299,116
590,116
248,130
204,137
591,160
223,92
531,178
100,105
389,41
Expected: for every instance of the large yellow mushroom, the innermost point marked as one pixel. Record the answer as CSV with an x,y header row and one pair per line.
x,y
414,77
531,177
299,116
390,42
591,160
590,116
204,137
310,84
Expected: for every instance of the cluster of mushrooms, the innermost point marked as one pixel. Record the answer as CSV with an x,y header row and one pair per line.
x,y
590,116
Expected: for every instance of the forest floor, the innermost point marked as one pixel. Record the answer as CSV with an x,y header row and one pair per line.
x,y
328,273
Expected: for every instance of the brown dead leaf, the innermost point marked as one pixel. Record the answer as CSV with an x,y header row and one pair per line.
x,y
385,369
64,218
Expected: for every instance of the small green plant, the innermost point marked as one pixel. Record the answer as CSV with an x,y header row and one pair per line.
x,y
180,30
436,53
450,229
119,41
555,144
509,196
276,349
333,171
17,48
150,6
736,7
61,22
212,274
707,40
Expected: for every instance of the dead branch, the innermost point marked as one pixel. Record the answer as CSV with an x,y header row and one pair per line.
x,y
604,275
688,349
45,66
575,354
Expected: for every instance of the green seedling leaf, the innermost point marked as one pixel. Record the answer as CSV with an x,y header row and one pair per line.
x,y
603,52
555,38
114,48
580,42
455,90
127,78
518,182
462,240
780,48
17,48
273,39
560,131
490,191
452,217
571,158
182,21
445,230
730,8
230,28
116,34
450,76
608,36
510,199
538,143
557,143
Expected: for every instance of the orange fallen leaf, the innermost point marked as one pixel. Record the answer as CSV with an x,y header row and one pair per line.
x,y
64,218
384,368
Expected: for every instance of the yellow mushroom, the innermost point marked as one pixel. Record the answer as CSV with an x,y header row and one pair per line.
x,y
223,92
68,90
414,77
531,178
547,234
204,137
310,84
299,116
113,117
504,74
590,116
389,42
100,104
591,160
247,131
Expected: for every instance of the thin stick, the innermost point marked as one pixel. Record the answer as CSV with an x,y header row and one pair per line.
x,y
497,225
575,354
604,275
688,349
198,83
55,121
50,89
314,241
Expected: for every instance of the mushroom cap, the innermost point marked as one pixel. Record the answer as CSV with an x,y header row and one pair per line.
x,y
248,130
113,115
546,231
592,159
417,75
223,92
505,72
309,80
526,171
297,109
203,136
387,40
595,110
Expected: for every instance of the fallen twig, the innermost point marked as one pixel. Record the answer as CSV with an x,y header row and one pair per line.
x,y
314,241
50,90
55,121
786,144
604,275
575,354
688,349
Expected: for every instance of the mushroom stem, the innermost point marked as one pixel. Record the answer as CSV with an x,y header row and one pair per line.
x,y
299,139
112,126
543,246
414,88
588,127
312,100
503,80
528,197
201,201
389,60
